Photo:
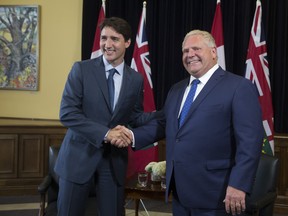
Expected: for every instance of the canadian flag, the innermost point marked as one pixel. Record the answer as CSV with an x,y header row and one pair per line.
x,y
96,51
140,62
257,71
217,33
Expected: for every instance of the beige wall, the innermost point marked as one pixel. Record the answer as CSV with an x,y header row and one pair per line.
x,y
60,45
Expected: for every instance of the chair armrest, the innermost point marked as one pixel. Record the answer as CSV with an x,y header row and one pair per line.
x,y
43,187
268,198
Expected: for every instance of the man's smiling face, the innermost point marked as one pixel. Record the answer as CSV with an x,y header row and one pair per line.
x,y
197,56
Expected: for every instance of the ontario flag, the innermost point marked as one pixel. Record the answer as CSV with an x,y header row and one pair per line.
x,y
217,33
96,51
137,160
257,71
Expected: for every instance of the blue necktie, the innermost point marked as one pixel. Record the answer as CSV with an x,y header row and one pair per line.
x,y
188,102
111,87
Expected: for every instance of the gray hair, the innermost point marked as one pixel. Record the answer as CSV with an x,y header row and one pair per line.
x,y
209,40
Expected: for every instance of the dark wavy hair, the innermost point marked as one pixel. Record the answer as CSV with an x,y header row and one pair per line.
x,y
120,25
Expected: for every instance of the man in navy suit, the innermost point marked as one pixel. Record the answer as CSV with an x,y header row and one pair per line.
x,y
213,154
86,155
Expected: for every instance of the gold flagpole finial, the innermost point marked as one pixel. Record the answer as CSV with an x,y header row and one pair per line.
x,y
144,4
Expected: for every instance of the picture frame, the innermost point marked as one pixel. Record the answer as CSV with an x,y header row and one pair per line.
x,y
19,47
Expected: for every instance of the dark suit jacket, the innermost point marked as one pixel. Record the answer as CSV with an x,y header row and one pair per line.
x,y
85,112
219,144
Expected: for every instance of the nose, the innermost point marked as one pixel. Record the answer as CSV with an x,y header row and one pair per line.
x,y
191,52
108,42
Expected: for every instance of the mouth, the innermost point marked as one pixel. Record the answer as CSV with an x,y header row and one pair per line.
x,y
109,51
191,62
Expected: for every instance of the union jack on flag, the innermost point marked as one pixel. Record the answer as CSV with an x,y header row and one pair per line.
x,y
257,71
140,62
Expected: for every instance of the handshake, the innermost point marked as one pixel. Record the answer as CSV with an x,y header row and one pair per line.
x,y
120,136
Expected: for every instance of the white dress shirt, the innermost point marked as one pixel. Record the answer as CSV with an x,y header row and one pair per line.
x,y
118,77
203,80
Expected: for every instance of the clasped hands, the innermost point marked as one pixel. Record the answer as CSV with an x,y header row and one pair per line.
x,y
120,136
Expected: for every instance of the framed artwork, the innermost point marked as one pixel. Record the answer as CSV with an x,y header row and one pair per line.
x,y
19,47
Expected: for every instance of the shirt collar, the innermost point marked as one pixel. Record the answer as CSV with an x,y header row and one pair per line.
x,y
119,68
204,79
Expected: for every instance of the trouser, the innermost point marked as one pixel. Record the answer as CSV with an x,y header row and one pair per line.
x,y
72,197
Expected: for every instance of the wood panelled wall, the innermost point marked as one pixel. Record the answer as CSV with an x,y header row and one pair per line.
x,y
281,151
24,153
24,156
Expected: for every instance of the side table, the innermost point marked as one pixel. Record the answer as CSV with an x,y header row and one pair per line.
x,y
153,191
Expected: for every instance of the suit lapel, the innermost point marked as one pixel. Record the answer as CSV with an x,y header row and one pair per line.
x,y
179,98
124,88
210,85
101,80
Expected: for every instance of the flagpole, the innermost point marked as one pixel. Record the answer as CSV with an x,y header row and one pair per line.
x,y
144,11
104,5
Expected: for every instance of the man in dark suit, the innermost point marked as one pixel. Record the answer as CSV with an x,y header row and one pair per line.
x,y
86,155
212,153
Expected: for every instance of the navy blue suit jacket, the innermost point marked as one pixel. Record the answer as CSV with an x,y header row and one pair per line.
x,y
219,143
85,112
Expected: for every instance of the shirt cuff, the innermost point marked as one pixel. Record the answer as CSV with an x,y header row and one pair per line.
x,y
105,137
133,140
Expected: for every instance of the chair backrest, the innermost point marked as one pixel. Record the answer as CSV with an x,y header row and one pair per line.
x,y
52,193
53,154
54,186
266,177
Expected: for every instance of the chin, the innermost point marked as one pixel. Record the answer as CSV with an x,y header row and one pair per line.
x,y
109,57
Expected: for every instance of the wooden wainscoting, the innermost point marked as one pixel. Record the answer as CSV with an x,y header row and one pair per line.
x,y
281,151
24,147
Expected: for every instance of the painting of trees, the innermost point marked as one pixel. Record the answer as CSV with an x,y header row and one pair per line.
x,y
19,47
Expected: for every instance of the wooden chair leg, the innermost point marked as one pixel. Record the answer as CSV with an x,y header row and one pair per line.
x,y
42,204
137,201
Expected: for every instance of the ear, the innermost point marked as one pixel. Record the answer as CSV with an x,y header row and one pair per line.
x,y
127,43
214,52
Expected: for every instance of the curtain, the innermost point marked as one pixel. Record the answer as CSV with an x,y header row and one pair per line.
x,y
168,21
